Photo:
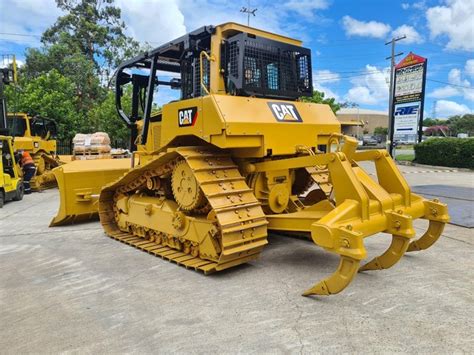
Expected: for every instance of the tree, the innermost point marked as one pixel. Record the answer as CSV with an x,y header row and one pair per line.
x,y
93,28
104,118
51,95
429,122
461,124
81,48
318,98
348,104
381,131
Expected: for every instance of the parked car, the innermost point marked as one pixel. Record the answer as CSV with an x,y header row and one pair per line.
x,y
369,140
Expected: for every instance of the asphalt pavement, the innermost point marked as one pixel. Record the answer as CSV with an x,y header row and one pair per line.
x,y
71,289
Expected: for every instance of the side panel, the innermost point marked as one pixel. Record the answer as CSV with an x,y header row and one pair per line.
x,y
281,125
34,144
182,118
254,127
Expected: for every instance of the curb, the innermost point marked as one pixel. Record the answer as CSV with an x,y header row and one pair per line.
x,y
448,168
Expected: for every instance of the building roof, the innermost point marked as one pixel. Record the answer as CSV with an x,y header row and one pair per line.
x,y
352,123
360,111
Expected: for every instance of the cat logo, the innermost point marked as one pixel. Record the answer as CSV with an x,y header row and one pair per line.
x,y
285,112
187,116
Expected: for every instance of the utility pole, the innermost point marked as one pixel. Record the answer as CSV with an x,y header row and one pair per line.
x,y
249,11
433,112
392,91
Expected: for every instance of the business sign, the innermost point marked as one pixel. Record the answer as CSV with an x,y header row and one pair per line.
x,y
406,118
408,98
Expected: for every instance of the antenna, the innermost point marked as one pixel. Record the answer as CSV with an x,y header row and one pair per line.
x,y
249,11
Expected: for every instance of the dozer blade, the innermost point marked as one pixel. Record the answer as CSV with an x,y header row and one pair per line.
x,y
44,181
80,183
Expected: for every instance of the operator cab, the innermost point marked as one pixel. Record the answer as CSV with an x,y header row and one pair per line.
x,y
7,157
21,125
228,59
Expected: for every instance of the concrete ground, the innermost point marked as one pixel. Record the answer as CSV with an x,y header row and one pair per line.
x,y
71,289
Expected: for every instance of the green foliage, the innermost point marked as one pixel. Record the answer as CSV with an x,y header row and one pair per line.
x,y
104,118
91,27
461,124
430,122
68,78
52,95
405,157
381,131
453,152
318,98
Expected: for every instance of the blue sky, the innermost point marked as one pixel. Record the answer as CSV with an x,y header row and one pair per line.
x,y
346,38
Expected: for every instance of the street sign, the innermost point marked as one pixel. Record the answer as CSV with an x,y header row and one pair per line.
x,y
408,99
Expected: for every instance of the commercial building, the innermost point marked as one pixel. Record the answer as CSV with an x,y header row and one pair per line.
x,y
358,121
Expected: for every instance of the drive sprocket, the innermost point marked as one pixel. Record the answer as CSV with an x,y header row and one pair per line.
x,y
186,190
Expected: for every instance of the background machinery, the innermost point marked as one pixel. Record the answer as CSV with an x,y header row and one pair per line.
x,y
11,186
36,135
238,156
32,134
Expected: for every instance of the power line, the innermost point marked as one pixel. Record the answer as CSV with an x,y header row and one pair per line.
x,y
349,76
19,34
446,83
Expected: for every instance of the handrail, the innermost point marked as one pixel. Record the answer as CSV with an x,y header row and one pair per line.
x,y
209,58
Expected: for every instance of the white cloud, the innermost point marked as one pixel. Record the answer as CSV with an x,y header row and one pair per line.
x,y
453,20
469,94
412,35
369,89
374,29
458,87
469,68
199,13
153,21
454,77
420,5
405,6
28,18
445,108
321,78
306,7
361,95
325,76
444,92
328,93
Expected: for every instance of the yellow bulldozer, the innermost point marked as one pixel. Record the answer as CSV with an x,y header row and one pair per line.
x,y
36,135
239,156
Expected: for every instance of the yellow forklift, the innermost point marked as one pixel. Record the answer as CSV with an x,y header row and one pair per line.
x,y
11,185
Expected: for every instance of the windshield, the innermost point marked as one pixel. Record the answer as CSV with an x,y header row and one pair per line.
x,y
42,126
16,125
257,66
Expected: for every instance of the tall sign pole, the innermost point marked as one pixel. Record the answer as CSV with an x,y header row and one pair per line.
x,y
408,99
391,93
